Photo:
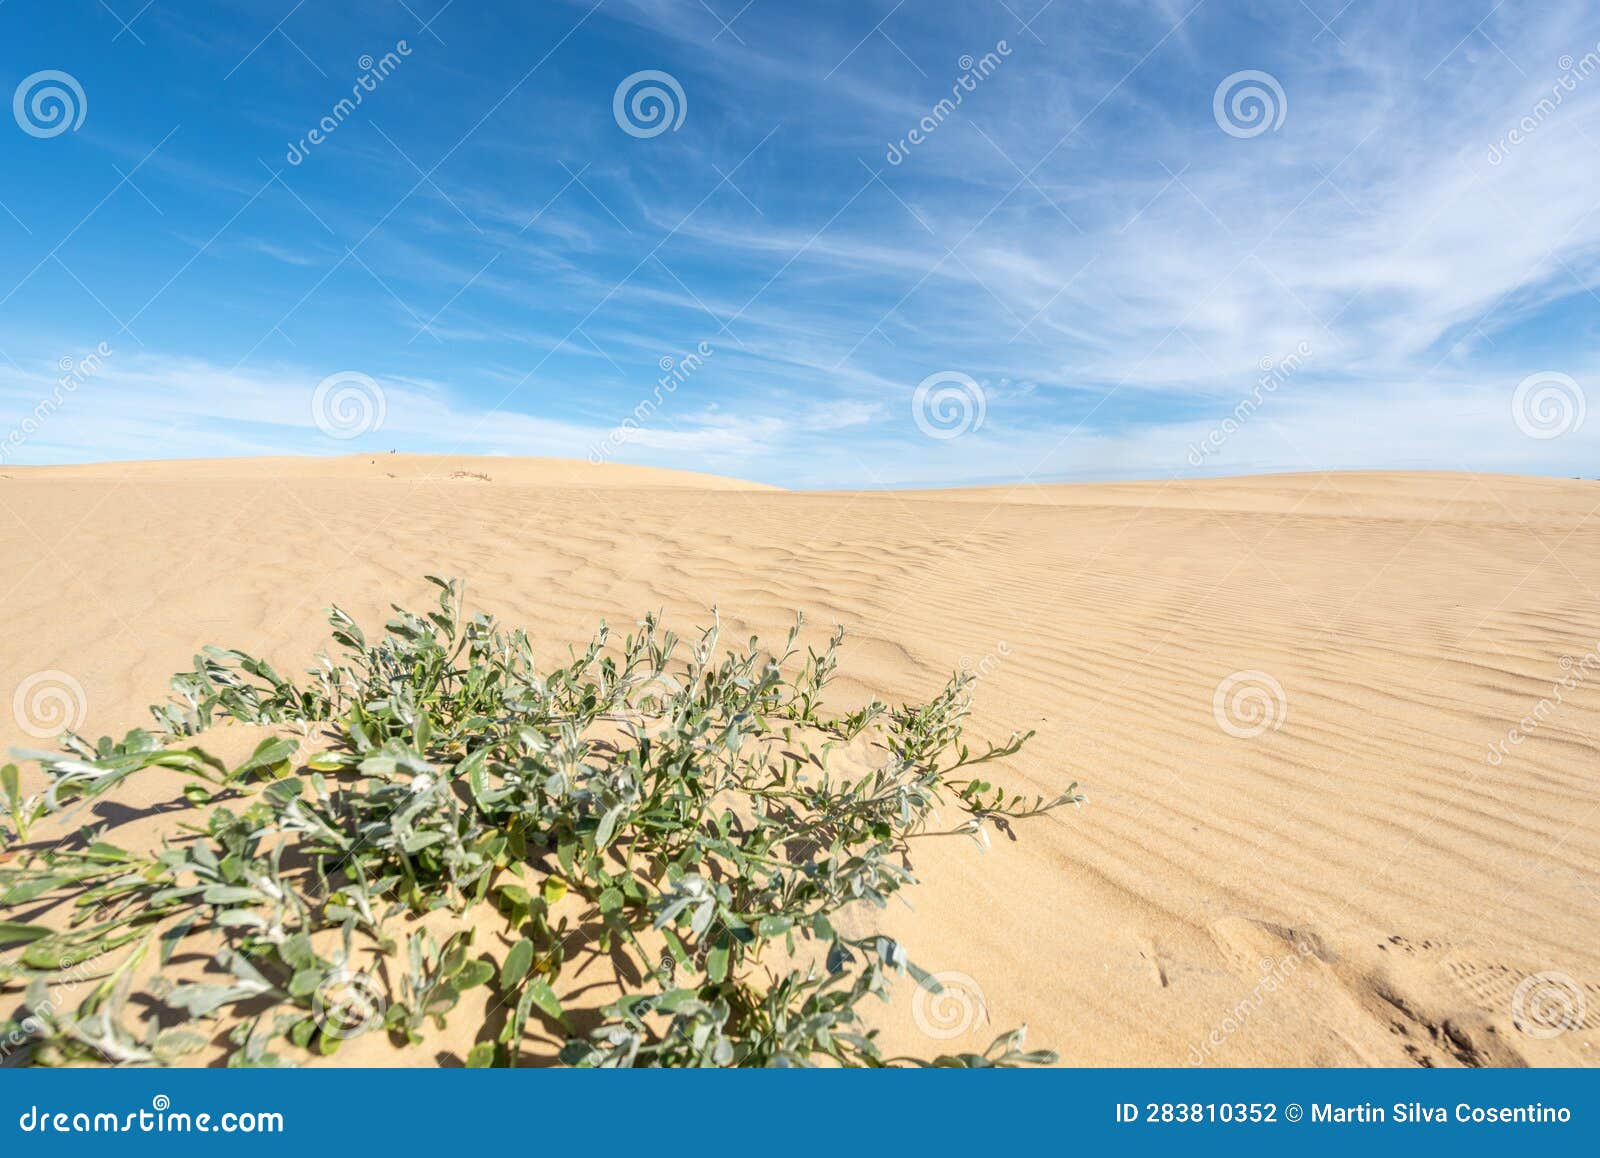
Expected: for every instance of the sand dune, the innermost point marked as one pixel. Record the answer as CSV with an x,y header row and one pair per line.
x,y
1357,877
420,468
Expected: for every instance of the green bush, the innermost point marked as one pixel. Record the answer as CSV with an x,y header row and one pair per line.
x,y
684,812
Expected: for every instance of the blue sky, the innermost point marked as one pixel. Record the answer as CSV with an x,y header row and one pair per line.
x,y
1095,265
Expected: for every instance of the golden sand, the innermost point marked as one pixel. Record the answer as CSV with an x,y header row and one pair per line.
x,y
1330,864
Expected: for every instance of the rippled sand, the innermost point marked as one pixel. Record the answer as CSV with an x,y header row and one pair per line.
x,y
1309,836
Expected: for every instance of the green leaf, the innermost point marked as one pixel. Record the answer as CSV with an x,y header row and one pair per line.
x,y
280,792
675,947
172,1044
304,983
608,826
26,891
717,962
545,998
174,936
269,753
16,933
473,973
517,963
418,841
923,978
477,779
516,897
241,919
481,1056
54,953
297,952
204,1000
444,999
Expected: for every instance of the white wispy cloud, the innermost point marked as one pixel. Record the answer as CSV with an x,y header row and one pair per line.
x,y
1079,236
